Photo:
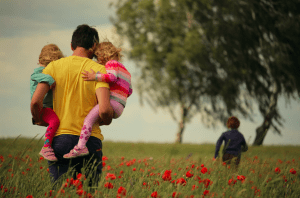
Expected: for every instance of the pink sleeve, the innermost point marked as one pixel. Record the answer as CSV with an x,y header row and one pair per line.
x,y
112,73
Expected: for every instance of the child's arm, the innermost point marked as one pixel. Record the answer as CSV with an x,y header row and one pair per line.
x,y
40,77
218,145
110,77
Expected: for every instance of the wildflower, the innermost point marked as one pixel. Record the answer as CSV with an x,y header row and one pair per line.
x,y
189,174
167,175
241,177
205,192
293,171
202,165
134,169
154,194
206,182
122,191
204,170
224,163
103,164
110,176
181,181
231,182
174,194
108,185
194,186
277,170
41,167
29,196
80,192
104,158
193,166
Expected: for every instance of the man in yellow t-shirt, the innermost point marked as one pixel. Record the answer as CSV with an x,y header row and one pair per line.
x,y
73,98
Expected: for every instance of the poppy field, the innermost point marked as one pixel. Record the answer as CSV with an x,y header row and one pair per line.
x,y
154,170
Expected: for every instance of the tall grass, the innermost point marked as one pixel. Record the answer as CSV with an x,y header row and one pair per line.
x,y
139,169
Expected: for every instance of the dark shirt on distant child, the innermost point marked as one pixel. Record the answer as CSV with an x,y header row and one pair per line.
x,y
234,147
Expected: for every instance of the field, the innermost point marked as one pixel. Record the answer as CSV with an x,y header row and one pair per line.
x,y
155,170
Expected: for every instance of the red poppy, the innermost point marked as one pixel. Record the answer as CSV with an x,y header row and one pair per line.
x,y
29,196
241,178
110,176
108,185
204,170
122,191
174,194
134,169
231,181
167,175
104,158
181,181
206,182
293,171
205,192
202,165
277,170
194,186
154,194
189,174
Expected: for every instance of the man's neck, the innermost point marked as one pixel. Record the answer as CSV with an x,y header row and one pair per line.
x,y
82,52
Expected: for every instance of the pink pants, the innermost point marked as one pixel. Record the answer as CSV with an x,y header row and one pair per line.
x,y
92,117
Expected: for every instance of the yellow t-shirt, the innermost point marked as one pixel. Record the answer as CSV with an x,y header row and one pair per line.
x,y
73,97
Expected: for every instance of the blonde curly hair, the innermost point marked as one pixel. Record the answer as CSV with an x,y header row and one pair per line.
x,y
106,51
50,53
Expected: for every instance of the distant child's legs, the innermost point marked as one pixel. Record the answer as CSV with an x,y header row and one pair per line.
x,y
51,118
117,107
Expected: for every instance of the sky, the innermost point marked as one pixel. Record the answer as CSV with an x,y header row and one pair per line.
x,y
26,26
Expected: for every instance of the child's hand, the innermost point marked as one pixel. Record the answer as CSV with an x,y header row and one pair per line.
x,y
87,76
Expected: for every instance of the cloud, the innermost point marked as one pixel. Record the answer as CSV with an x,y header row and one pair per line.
x,y
19,18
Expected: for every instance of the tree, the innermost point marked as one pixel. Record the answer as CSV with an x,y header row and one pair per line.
x,y
214,57
260,40
174,58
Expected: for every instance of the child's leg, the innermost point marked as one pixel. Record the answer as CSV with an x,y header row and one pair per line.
x,y
50,117
117,107
86,130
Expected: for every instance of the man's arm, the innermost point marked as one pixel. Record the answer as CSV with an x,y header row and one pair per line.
x,y
105,110
36,104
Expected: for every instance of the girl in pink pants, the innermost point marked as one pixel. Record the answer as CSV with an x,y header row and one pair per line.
x,y
119,80
49,53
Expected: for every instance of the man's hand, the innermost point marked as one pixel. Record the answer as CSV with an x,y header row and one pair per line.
x,y
87,76
42,123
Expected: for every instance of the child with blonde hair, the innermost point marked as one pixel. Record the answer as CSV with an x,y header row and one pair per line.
x,y
49,53
119,80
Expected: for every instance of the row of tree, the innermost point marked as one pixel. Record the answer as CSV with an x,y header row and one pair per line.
x,y
214,57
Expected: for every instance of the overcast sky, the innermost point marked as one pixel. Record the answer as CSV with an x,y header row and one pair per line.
x,y
26,26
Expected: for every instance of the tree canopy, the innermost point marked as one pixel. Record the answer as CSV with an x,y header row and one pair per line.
x,y
212,57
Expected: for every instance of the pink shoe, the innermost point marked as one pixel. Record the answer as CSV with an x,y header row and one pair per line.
x,y
76,152
48,154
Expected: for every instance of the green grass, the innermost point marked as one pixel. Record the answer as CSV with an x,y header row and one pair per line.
x,y
23,173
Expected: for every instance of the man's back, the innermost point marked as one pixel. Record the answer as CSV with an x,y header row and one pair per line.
x,y
73,97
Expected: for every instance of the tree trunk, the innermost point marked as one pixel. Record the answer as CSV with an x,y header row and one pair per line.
x,y
262,130
181,124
